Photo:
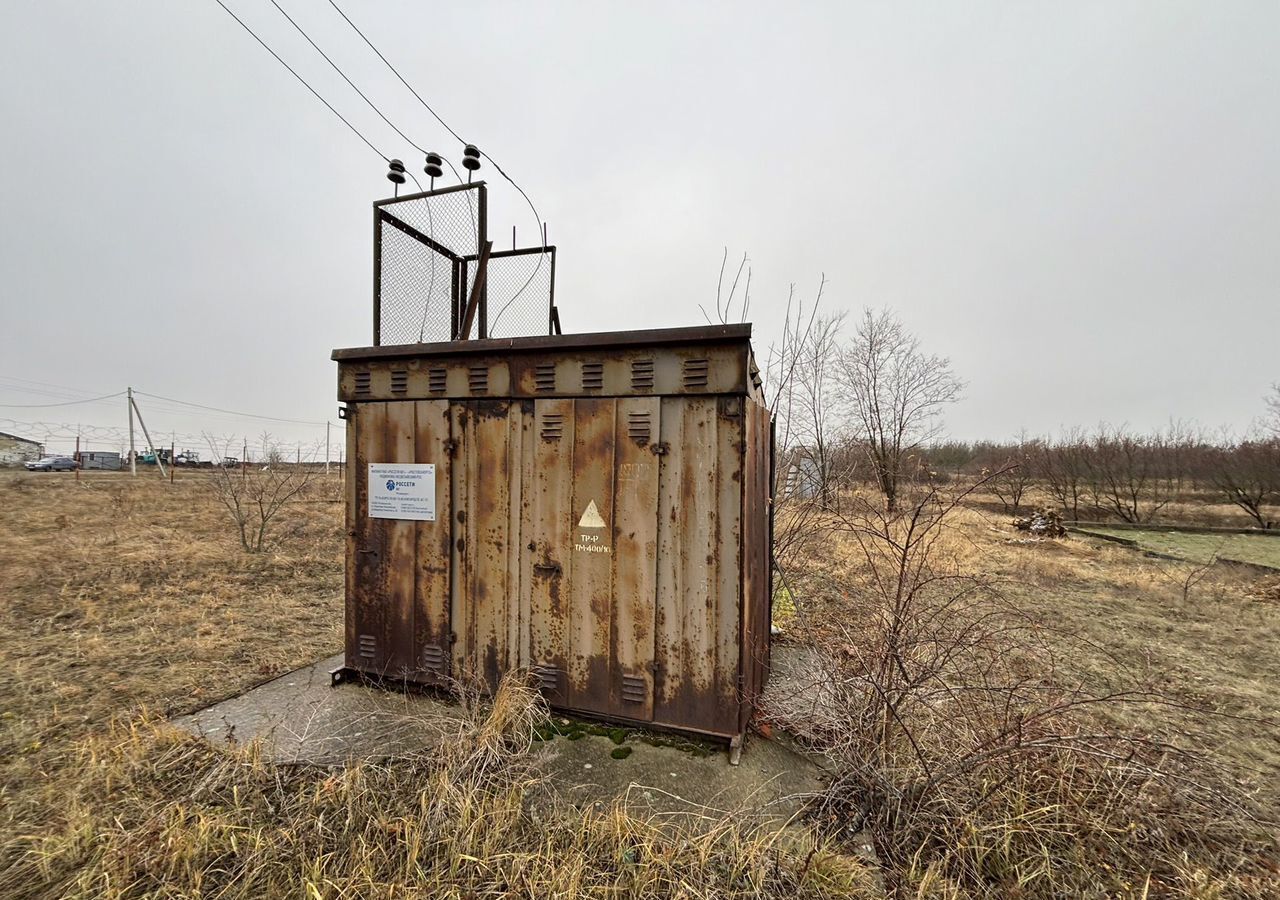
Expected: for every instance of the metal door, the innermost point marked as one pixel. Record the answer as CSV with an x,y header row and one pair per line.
x,y
592,537
398,571
489,453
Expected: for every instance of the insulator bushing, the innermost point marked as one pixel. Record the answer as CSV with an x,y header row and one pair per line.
x,y
471,157
395,171
434,163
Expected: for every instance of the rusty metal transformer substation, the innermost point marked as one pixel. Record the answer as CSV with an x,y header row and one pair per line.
x,y
602,517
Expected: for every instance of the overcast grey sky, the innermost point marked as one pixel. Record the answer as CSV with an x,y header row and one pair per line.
x,y
1078,203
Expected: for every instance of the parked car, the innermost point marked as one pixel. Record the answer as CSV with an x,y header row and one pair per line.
x,y
53,464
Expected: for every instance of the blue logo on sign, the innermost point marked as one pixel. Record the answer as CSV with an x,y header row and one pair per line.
x,y
391,485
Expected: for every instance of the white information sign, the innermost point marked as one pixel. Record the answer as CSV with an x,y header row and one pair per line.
x,y
402,491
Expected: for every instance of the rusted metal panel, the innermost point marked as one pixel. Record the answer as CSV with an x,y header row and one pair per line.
x,y
401,556
486,606
515,607
594,372
635,556
756,618
431,620
460,556
550,546
367,603
726,595
590,558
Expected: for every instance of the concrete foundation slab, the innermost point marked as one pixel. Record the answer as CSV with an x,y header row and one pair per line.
x,y
301,718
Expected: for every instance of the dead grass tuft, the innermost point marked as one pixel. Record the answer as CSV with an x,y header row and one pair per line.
x,y
191,819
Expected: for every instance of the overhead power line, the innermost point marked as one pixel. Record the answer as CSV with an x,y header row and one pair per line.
x,y
335,68
438,117
233,412
353,128
64,403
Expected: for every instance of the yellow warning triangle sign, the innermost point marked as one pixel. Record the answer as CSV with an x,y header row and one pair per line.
x,y
591,518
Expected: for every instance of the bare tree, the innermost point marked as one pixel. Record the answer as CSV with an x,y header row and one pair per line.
x,y
254,498
799,515
1061,466
814,417
1273,410
894,394
1247,474
1014,474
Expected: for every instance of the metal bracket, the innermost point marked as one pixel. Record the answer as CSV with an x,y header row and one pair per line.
x,y
343,674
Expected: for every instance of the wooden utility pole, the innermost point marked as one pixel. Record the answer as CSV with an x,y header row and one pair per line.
x,y
150,443
326,447
77,453
133,457
173,466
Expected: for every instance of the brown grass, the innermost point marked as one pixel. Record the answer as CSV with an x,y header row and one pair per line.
x,y
126,600
1177,798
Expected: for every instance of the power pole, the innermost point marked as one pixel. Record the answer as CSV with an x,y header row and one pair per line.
x,y
173,466
150,443
326,447
133,457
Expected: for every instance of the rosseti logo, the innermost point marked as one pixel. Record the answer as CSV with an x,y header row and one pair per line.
x,y
391,485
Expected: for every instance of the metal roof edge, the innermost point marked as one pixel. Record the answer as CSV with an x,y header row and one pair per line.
x,y
591,340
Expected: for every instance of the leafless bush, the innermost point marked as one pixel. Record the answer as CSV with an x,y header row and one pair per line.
x,y
253,495
969,750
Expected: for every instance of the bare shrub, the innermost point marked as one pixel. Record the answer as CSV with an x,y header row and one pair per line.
x,y
978,762
253,496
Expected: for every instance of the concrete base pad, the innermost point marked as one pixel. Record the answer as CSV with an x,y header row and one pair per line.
x,y
303,719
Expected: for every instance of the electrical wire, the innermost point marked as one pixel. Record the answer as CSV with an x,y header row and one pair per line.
x,y
233,412
334,65
353,128
65,403
438,118
430,223
396,73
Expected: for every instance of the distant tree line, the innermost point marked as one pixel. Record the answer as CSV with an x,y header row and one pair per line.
x,y
863,406
1115,473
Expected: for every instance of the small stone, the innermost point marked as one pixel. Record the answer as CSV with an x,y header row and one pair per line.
x,y
586,765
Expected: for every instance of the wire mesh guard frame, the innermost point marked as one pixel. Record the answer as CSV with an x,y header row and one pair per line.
x,y
427,251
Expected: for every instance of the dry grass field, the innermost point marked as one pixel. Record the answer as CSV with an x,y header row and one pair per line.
x,y
124,601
